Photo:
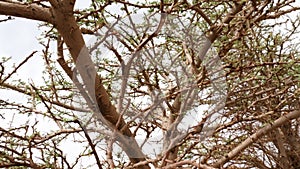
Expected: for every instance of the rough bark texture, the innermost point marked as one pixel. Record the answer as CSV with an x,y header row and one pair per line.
x,y
30,11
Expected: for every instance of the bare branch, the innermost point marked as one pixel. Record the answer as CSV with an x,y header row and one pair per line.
x,y
29,11
22,63
261,132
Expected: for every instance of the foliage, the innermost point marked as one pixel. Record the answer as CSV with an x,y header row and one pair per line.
x,y
176,84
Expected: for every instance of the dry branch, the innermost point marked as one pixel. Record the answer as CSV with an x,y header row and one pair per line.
x,y
254,137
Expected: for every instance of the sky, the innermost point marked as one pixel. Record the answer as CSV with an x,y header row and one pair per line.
x,y
18,38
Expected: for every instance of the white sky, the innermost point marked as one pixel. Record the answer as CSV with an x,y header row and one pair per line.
x,y
18,38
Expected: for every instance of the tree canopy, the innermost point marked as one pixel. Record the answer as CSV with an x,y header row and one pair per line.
x,y
155,84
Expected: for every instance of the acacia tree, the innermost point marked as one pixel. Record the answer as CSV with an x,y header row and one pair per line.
x,y
140,78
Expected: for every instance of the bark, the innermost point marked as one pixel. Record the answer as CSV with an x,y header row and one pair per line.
x,y
283,157
61,16
280,121
29,11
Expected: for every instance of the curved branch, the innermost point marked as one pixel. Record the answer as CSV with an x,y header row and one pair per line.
x,y
254,137
29,11
71,34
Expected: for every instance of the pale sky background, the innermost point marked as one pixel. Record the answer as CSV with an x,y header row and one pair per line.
x,y
18,39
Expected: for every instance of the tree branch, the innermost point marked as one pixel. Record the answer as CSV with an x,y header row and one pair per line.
x,y
29,11
71,33
26,92
254,137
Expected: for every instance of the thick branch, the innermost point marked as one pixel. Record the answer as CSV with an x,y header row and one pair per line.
x,y
216,29
29,11
254,137
69,30
202,14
